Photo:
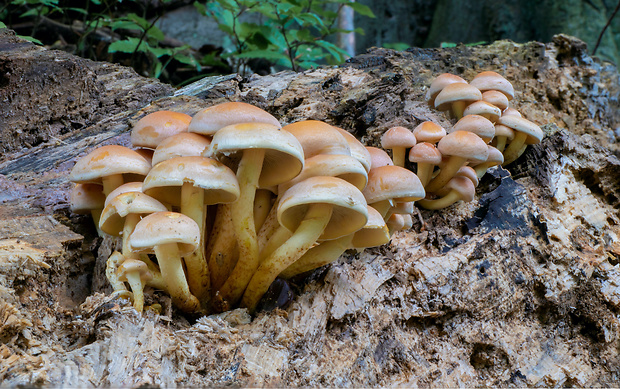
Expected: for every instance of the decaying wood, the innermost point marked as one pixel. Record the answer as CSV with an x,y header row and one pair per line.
x,y
519,287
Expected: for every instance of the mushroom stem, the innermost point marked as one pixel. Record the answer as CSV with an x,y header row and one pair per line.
x,y
110,271
222,247
172,271
192,205
262,206
111,182
242,213
276,239
320,255
137,287
457,109
398,156
130,224
157,281
446,173
442,202
425,172
500,142
512,151
269,225
383,206
316,219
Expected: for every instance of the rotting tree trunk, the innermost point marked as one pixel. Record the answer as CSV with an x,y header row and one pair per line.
x,y
519,287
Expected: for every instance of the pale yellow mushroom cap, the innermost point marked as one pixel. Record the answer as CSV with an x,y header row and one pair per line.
x,y
212,119
398,137
114,214
476,124
163,228
393,182
374,233
184,144
440,82
520,124
86,197
429,132
157,126
109,160
490,80
317,137
378,157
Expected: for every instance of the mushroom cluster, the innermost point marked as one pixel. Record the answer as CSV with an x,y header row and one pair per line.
x,y
213,208
487,133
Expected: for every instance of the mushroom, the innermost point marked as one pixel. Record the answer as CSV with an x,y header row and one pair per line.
x,y
119,218
209,120
110,166
429,132
357,149
461,188
389,184
398,139
526,132
455,97
394,223
316,208
426,156
264,156
378,157
496,98
490,80
482,108
153,128
502,135
440,82
133,186
136,273
192,183
495,158
476,124
374,233
88,199
184,144
170,235
460,147
317,137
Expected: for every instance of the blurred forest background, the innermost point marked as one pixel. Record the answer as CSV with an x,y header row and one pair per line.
x,y
180,41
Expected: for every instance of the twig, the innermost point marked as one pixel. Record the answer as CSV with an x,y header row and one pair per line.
x,y
600,37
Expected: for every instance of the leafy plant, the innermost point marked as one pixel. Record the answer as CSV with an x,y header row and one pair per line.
x,y
289,33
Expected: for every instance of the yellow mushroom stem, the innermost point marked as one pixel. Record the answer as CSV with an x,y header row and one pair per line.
x,y
383,207
172,271
222,247
242,214
111,266
96,215
192,205
457,109
262,206
425,172
277,238
137,287
311,227
111,182
270,225
446,173
442,202
157,281
500,142
398,156
511,153
319,255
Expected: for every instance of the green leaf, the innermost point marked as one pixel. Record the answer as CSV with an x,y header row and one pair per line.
x,y
30,39
160,51
361,9
266,54
444,45
128,45
335,51
400,46
2,25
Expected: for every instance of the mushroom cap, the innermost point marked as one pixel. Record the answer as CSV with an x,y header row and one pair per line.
x,y
162,228
130,265
496,98
358,150
113,216
490,80
403,207
469,172
349,206
484,109
392,182
86,197
211,119
284,156
395,222
378,157
317,137
398,137
374,233
456,92
149,131
495,156
165,180
331,165
511,112
501,130
429,132
134,186
184,144
520,124
425,152
439,83
464,144
464,186
109,160
476,124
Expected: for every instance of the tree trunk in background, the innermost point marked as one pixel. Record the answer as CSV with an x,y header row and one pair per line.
x,y
346,40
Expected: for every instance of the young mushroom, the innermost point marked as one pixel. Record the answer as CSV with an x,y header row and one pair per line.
x,y
398,139
426,156
170,236
440,82
429,132
153,128
136,273
490,80
460,188
455,97
316,208
390,184
88,199
526,132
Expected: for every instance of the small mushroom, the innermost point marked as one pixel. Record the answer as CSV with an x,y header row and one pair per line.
x,y
316,208
136,273
526,133
88,199
440,82
170,235
461,188
484,109
460,147
378,157
503,134
495,158
389,184
489,80
426,156
153,128
476,124
184,144
317,137
455,97
398,139
429,132
210,120
496,98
